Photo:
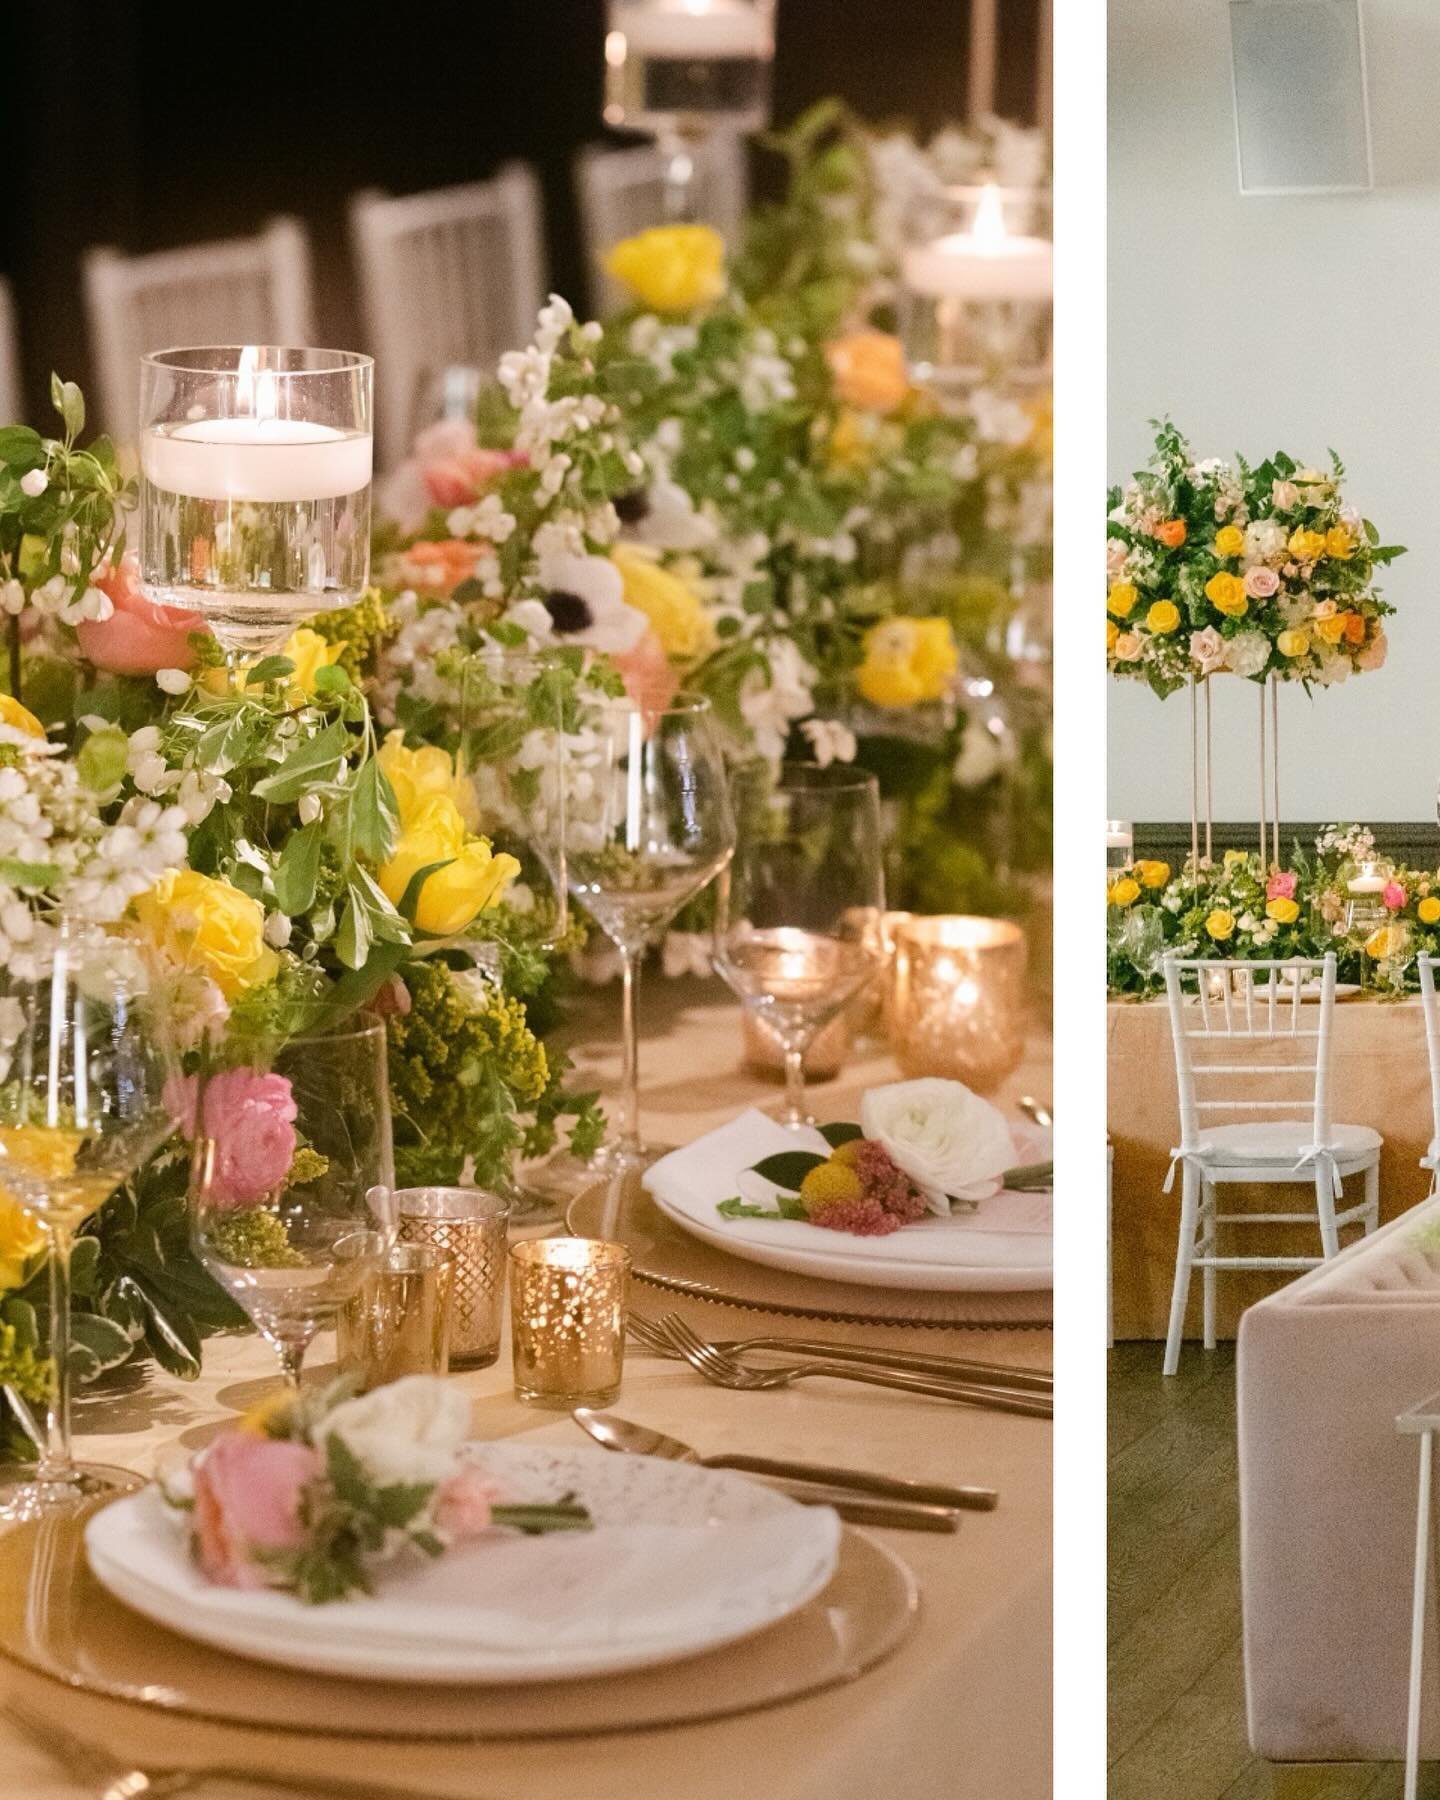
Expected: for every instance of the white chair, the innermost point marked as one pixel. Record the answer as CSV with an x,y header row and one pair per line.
x,y
451,277
253,290
1214,1006
12,403
1431,1159
620,192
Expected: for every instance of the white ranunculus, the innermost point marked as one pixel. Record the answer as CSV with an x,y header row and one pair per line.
x,y
952,1144
410,1431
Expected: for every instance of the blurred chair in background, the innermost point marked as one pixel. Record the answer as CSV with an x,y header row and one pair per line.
x,y
12,401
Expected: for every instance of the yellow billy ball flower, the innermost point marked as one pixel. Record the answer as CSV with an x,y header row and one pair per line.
x,y
1221,925
419,775
1307,546
1162,617
1227,594
1282,911
471,878
1125,892
1152,874
19,717
200,923
907,661
21,1241
1121,599
1229,541
1293,643
673,608
1112,631
1340,543
671,268
1429,910
830,1180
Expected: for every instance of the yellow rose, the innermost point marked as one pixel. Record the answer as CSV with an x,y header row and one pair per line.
x,y
671,268
19,717
1293,643
1233,857
673,608
852,442
419,775
869,370
1220,925
1227,594
1152,874
21,1241
472,877
1125,892
1340,543
1331,630
1429,911
1163,616
907,661
1121,599
304,647
204,924
1112,631
1229,541
1282,911
1307,546
1388,940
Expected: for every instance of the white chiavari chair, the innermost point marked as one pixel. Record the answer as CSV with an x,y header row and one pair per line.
x,y
620,192
12,403
450,278
251,290
1431,1159
1249,1044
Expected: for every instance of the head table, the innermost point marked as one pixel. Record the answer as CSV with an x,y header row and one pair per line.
x,y
1379,1077
962,1708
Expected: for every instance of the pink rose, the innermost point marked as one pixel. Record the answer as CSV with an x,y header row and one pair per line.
x,y
1207,648
251,1120
1280,887
1284,495
1374,653
1394,896
454,468
139,637
649,679
464,1502
247,1498
1260,582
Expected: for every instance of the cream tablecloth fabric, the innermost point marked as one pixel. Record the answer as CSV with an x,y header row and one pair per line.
x,y
962,1710
1380,1078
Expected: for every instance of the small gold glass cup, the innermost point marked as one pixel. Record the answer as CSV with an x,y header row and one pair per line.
x,y
958,1002
567,1320
469,1226
398,1321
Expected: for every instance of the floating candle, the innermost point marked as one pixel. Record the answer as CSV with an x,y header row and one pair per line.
x,y
984,263
697,29
256,459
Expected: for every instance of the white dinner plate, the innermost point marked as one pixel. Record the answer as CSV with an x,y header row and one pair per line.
x,y
681,1560
1004,1246
1310,990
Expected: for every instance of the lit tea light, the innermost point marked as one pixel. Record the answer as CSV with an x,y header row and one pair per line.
x,y
1371,879
985,263
958,1000
567,1320
694,29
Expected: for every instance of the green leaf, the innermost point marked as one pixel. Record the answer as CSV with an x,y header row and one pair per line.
x,y
21,447
375,813
789,1168
314,764
837,1134
331,678
298,869
354,938
410,899
96,1344
347,1477
28,874
398,1504
269,668
69,402
84,1267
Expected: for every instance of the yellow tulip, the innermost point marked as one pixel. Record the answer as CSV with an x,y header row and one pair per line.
x,y
1121,599
1152,874
1282,911
419,775
21,1241
1229,541
1293,643
1429,911
907,661
1307,546
1227,594
671,268
472,877
1125,892
673,608
1221,925
19,717
200,923
1162,617
1340,543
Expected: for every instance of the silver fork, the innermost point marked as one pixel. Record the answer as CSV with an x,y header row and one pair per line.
x,y
725,1372
97,1768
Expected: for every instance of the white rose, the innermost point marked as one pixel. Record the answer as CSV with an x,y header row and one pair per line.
x,y
410,1431
950,1142
1248,653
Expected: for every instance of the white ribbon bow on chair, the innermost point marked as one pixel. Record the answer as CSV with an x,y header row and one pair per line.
x,y
1318,1157
1183,1156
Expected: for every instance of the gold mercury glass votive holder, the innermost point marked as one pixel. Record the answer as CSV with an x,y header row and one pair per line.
x,y
958,1006
469,1226
398,1321
567,1320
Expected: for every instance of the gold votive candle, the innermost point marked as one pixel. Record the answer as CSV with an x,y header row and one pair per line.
x,y
567,1320
398,1321
958,1005
468,1226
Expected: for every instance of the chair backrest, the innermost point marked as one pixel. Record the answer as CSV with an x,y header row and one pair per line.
x,y
11,401
452,277
1426,966
621,192
252,290
1215,1004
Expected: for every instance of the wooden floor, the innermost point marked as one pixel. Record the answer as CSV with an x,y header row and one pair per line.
x,y
1177,1695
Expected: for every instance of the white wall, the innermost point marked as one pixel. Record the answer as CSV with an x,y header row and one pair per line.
x,y
1291,323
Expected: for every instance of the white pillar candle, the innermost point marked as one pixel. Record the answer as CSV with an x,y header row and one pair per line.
x,y
984,264
1118,835
1368,881
260,459
702,30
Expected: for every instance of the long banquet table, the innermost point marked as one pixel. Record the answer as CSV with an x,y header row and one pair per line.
x,y
961,1709
1379,1077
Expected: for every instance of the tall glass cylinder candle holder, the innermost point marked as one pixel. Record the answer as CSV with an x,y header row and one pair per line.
x,y
567,1320
976,296
255,471
959,999
1119,845
683,68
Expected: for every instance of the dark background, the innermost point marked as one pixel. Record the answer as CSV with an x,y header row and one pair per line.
x,y
148,125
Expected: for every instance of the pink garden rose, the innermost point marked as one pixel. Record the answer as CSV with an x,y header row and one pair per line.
x,y
1284,496
446,468
464,1503
1394,896
139,637
1280,887
251,1118
247,1498
1207,647
1260,582
1374,654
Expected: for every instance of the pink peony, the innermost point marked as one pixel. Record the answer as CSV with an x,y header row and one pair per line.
x,y
1280,887
1394,896
1260,582
649,679
247,1498
139,637
1374,653
251,1120
464,1503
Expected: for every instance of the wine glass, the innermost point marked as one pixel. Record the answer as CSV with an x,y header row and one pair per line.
x,y
292,1180
451,391
83,1104
647,825
795,936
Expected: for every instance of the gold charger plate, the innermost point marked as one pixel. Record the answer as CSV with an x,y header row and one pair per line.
x,y
665,1256
57,1621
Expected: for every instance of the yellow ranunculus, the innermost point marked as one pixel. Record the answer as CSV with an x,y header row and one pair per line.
x,y
1112,631
304,647
1282,911
208,925
1331,630
1125,892
1229,541
1152,874
1307,546
869,370
1221,925
1340,543
20,717
1121,599
673,607
1387,940
907,661
1227,594
472,879
1294,643
1233,857
21,1241
1163,616
1429,910
671,268
419,775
